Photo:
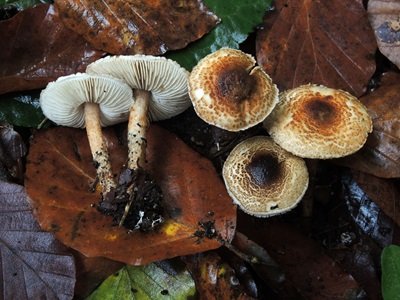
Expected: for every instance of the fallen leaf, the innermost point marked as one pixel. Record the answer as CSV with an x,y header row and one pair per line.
x,y
38,49
214,278
33,264
60,170
384,18
322,42
137,26
391,272
20,4
21,109
238,19
314,274
165,279
380,156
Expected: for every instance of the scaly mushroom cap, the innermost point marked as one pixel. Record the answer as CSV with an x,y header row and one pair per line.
x,y
165,79
314,121
63,100
264,179
229,91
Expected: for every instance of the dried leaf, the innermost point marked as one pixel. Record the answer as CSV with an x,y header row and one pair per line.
x,y
38,49
324,42
314,274
33,264
60,170
160,280
384,18
380,156
137,26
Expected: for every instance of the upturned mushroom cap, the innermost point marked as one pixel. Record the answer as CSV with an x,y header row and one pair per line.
x,y
229,91
165,79
314,121
264,179
63,100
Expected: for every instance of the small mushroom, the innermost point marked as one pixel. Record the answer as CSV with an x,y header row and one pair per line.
x,y
229,91
313,121
263,179
91,101
160,92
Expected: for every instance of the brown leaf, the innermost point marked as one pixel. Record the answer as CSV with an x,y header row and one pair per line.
x,y
323,42
383,192
34,265
38,49
380,155
384,18
137,26
59,171
314,274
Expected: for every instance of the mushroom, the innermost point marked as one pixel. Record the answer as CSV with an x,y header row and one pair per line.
x,y
160,92
229,91
314,121
91,101
263,179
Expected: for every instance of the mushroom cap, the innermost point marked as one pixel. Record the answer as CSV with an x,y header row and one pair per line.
x,y
314,121
229,91
62,101
164,78
264,179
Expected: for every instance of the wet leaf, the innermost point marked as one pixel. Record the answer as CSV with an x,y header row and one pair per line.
x,y
39,49
323,42
20,4
380,156
314,274
238,19
137,26
383,16
33,264
21,109
12,152
391,272
214,278
61,159
154,281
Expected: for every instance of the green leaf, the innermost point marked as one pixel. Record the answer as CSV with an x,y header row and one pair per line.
x,y
238,19
162,280
390,262
20,4
21,110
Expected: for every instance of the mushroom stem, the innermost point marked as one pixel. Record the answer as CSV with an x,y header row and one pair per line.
x,y
98,147
137,129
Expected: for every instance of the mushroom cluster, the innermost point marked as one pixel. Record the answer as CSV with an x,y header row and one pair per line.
x,y
115,89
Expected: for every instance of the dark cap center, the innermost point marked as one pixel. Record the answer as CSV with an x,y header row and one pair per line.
x,y
264,169
320,109
235,84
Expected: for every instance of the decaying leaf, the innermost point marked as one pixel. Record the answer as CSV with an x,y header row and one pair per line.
x,y
384,18
380,155
323,42
137,26
38,49
59,174
33,264
159,280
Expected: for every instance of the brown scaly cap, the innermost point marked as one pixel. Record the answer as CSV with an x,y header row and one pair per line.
x,y
264,179
229,91
314,121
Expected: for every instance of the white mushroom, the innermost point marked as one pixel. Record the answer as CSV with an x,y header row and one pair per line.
x,y
90,101
160,91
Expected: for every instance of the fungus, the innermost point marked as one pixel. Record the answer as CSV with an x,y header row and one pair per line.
x,y
313,121
229,91
160,92
91,101
263,179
